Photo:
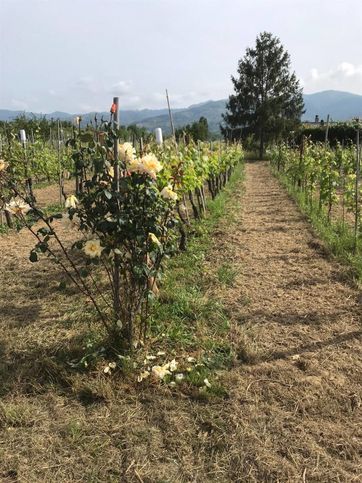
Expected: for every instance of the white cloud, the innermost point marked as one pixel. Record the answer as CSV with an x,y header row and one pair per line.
x,y
345,76
121,88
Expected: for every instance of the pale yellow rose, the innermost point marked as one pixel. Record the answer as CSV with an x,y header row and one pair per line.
x,y
207,383
160,371
150,165
168,193
172,365
71,201
126,152
17,207
93,248
143,376
135,166
3,165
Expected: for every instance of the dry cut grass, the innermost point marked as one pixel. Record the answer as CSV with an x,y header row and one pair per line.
x,y
290,408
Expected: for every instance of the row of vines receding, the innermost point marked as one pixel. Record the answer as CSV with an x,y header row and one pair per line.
x,y
329,180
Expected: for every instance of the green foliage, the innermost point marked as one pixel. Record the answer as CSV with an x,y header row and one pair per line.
x,y
341,133
126,214
35,127
36,160
197,131
268,100
322,178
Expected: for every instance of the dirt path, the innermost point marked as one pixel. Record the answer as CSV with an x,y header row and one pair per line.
x,y
50,194
293,410
298,319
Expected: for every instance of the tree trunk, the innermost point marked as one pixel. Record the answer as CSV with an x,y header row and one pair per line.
x,y
261,145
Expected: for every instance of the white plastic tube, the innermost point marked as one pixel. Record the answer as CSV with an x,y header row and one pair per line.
x,y
158,135
22,135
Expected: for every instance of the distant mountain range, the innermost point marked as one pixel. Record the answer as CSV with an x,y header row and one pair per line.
x,y
341,106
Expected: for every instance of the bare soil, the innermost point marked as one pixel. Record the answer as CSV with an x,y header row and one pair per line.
x,y
50,194
293,407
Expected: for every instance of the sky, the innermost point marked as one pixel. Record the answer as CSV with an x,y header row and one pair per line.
x,y
75,55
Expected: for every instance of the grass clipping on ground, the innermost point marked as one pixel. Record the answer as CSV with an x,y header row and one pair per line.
x,y
280,407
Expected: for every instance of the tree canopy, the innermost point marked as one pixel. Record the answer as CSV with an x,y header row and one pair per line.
x,y
197,131
268,99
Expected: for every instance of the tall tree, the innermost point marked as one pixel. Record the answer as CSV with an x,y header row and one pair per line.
x,y
268,99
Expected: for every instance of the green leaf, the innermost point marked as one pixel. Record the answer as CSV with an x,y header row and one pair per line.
x,y
42,246
33,256
84,272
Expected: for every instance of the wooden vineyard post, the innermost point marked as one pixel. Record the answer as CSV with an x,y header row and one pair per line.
x,y
301,159
77,188
357,197
28,180
78,178
183,232
343,194
115,112
327,132
200,192
171,118
60,166
116,187
9,220
141,146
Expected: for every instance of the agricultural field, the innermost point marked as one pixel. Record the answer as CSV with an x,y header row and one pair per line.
x,y
180,241
169,313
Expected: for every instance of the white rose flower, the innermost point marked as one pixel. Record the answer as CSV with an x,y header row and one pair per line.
x,y
172,365
126,152
135,166
17,207
143,376
93,248
160,371
71,202
3,165
150,165
207,383
168,193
